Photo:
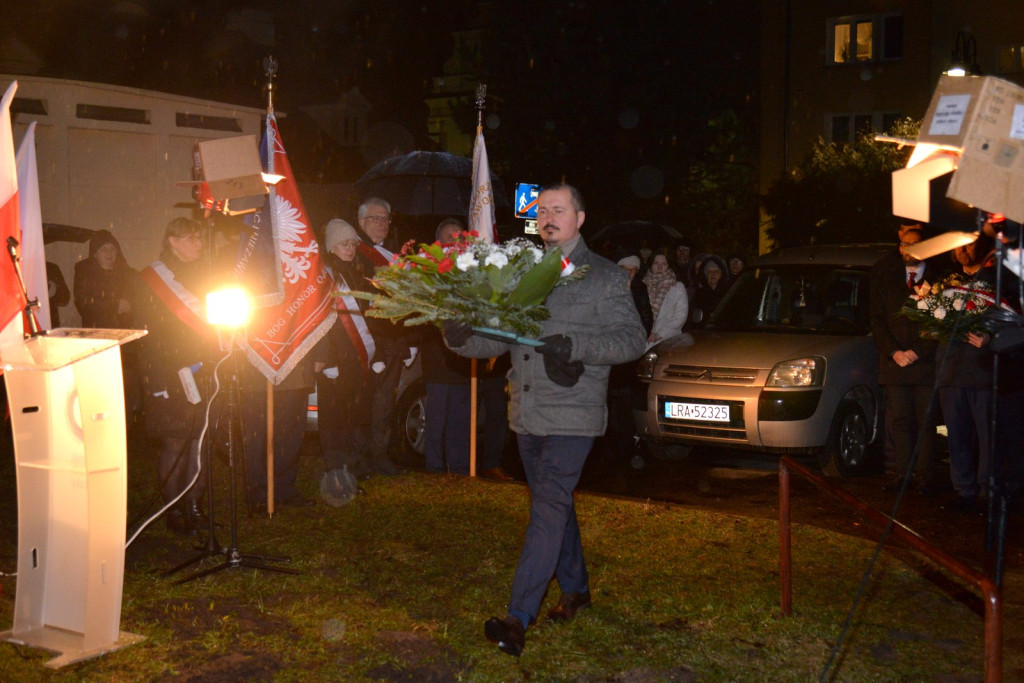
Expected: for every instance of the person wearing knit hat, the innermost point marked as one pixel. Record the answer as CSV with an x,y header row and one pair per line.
x,y
630,262
342,363
338,230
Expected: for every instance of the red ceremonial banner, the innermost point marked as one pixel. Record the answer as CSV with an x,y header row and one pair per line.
x,y
280,336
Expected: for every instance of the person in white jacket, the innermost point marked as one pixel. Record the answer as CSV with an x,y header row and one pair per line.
x,y
668,299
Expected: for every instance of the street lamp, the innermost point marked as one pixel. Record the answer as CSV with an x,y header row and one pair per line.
x,y
964,57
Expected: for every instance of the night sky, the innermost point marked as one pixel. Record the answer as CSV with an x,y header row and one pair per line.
x,y
615,96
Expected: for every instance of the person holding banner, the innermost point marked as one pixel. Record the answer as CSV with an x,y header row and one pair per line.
x,y
343,381
170,306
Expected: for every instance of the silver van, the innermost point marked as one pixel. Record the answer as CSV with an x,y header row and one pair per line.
x,y
784,364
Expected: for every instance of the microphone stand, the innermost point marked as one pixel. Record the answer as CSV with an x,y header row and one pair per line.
x,y
33,324
233,557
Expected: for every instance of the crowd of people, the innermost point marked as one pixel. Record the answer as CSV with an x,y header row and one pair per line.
x,y
557,397
947,381
675,289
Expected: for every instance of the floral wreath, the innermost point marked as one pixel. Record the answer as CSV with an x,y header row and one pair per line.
x,y
491,286
951,308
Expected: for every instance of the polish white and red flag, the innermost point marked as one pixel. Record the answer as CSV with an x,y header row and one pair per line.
x,y
12,301
280,335
33,253
481,200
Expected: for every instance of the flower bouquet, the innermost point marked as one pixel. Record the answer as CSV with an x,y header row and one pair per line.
x,y
954,306
497,288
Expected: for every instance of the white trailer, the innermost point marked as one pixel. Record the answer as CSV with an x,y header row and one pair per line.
x,y
109,158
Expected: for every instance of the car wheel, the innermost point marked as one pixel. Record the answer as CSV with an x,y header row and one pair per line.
x,y
411,421
845,454
664,451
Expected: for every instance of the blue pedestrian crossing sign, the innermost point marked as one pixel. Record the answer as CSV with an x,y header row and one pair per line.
x,y
526,200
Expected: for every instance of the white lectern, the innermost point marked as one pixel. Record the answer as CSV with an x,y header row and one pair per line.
x,y
66,398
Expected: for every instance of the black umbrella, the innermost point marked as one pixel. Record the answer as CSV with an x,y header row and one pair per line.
x,y
426,184
58,232
629,236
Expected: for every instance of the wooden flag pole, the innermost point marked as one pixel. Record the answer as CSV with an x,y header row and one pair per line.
x,y
270,448
481,97
270,69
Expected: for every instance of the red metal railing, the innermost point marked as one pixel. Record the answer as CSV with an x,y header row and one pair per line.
x,y
989,590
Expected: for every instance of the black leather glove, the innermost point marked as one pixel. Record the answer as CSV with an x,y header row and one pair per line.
x,y
557,350
556,346
456,333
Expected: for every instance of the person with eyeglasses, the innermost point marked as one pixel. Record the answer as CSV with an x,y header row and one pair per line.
x,y
394,344
169,305
375,222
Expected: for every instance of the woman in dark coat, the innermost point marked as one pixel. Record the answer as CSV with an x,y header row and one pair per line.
x,y
343,381
168,305
103,284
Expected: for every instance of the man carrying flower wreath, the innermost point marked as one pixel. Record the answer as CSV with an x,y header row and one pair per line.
x,y
557,408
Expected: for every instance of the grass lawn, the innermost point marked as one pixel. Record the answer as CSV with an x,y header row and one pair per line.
x,y
397,585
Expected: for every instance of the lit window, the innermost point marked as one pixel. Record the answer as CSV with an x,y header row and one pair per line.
x,y
868,38
1011,59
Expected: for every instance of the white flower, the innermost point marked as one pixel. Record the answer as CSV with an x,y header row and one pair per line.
x,y
939,313
496,259
922,305
958,305
537,254
466,260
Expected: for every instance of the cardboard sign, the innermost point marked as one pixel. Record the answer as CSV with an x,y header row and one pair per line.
x,y
984,116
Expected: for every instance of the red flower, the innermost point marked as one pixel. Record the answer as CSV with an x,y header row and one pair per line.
x,y
970,306
408,248
445,265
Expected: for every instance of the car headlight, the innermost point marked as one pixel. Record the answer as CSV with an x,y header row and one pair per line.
x,y
799,372
645,366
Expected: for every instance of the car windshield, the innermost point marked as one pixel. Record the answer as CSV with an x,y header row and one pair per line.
x,y
798,298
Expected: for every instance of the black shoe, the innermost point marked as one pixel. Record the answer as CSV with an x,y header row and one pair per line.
x,y
569,605
508,633
384,466
495,473
299,502
181,524
895,484
961,505
935,487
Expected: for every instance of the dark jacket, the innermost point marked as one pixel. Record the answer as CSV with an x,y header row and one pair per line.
x,y
99,292
170,345
893,332
597,313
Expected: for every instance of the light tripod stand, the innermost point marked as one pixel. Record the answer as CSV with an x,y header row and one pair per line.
x,y
233,557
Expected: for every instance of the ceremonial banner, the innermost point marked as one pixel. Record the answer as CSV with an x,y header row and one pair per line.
x,y
11,300
280,335
33,255
481,201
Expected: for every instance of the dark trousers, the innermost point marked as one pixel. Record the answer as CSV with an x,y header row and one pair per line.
x,y
907,425
552,545
289,427
176,468
447,429
967,411
494,402
385,385
343,423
